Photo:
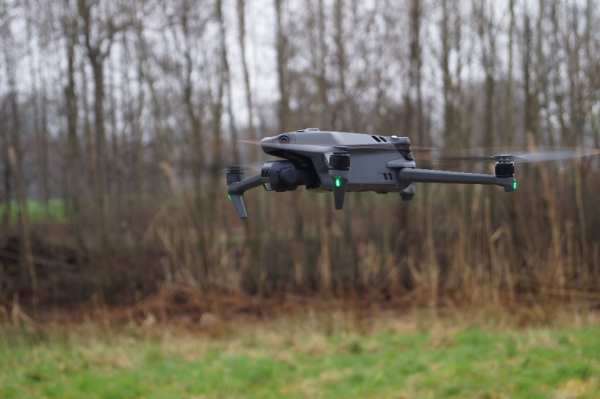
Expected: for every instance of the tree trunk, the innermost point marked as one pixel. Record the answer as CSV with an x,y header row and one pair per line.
x,y
415,95
73,150
226,78
241,9
16,161
7,199
197,147
510,134
447,78
100,147
40,126
281,43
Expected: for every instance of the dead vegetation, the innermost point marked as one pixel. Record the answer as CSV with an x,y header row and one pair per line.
x,y
133,141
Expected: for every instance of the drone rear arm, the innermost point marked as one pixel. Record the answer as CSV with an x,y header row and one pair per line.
x,y
439,176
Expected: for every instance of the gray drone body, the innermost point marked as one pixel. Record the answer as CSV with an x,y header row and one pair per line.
x,y
324,161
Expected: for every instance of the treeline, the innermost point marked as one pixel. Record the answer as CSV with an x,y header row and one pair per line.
x,y
128,111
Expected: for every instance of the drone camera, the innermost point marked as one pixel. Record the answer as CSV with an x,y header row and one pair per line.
x,y
283,176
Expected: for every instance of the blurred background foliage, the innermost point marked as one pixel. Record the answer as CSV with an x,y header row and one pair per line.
x,y
117,118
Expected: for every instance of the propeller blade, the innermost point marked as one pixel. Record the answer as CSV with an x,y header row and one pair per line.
x,y
289,146
215,167
558,155
516,155
436,157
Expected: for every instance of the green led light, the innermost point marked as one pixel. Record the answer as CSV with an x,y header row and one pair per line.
x,y
338,182
515,185
229,196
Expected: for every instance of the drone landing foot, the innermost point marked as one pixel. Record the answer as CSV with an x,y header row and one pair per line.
x,y
238,203
408,193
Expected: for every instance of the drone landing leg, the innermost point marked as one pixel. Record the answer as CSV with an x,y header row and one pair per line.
x,y
408,193
339,169
238,203
236,188
340,180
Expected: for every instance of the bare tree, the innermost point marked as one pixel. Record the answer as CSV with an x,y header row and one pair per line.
x,y
414,94
15,154
39,115
447,77
510,134
193,112
69,25
527,52
241,12
227,80
99,33
487,36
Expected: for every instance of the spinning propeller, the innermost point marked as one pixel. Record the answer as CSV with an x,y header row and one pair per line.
x,y
514,155
506,154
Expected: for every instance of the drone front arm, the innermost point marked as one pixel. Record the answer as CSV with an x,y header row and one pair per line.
x,y
238,188
438,176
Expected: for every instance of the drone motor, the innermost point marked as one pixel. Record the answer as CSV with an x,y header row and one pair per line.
x,y
235,174
505,169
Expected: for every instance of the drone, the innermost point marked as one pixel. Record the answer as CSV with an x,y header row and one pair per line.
x,y
340,162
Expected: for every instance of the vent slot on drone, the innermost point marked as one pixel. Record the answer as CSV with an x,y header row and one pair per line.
x,y
376,139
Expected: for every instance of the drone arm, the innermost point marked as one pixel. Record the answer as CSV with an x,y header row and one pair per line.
x,y
439,176
238,188
235,190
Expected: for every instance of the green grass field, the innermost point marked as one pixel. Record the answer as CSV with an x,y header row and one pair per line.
x,y
37,211
296,362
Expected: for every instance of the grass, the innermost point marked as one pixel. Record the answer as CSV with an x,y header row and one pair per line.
x,y
37,211
291,359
